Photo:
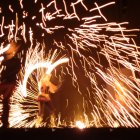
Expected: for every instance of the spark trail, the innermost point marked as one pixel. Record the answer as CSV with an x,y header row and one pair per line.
x,y
27,89
103,52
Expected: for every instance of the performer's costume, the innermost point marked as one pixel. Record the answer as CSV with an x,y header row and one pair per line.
x,y
45,105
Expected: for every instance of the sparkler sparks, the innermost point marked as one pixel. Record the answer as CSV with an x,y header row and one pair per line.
x,y
107,92
27,90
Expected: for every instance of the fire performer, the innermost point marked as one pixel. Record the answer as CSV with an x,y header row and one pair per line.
x,y
45,105
11,66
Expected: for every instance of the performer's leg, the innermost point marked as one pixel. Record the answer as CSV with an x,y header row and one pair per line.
x,y
39,108
5,113
51,110
39,117
6,104
45,111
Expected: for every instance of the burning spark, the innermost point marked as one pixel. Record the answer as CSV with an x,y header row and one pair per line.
x,y
21,3
1,25
10,8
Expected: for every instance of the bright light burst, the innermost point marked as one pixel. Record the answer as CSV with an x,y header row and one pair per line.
x,y
48,65
103,52
80,125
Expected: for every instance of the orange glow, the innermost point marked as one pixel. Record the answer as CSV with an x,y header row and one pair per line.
x,y
80,125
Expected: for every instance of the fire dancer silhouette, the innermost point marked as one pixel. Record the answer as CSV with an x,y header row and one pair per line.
x,y
11,66
46,108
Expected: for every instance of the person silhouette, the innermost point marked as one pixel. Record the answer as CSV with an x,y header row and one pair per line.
x,y
45,105
11,66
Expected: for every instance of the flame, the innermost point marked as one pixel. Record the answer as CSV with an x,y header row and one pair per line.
x,y
80,125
